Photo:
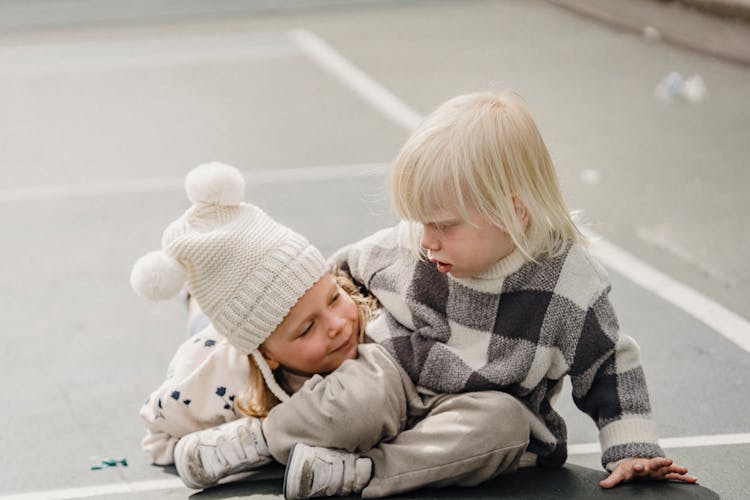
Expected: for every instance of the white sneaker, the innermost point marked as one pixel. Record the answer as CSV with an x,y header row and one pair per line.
x,y
317,472
205,457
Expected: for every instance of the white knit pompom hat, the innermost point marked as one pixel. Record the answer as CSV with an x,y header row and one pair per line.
x,y
244,269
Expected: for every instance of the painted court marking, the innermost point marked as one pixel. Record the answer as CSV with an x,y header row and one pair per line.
x,y
175,184
730,325
357,80
41,59
671,443
99,490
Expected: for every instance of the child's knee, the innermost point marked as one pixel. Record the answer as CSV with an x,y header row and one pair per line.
x,y
502,418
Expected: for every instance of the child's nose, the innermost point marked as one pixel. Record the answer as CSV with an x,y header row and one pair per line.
x,y
429,239
335,325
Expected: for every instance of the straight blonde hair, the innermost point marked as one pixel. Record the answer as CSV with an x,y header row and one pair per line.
x,y
258,399
484,152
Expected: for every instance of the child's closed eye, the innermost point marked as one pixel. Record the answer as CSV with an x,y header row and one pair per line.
x,y
306,329
443,226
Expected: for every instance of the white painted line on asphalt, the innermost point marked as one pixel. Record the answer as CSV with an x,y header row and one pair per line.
x,y
356,79
724,321
715,440
174,184
677,442
118,54
728,324
171,484
98,490
583,448
658,238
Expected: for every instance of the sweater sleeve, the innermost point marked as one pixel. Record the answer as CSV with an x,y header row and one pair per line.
x,y
204,378
610,386
363,259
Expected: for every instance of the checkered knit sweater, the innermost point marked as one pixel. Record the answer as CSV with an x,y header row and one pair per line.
x,y
520,327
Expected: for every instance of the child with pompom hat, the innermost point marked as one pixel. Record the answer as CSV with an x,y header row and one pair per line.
x,y
254,279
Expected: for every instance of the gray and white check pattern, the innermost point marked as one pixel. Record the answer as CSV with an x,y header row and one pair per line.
x,y
520,327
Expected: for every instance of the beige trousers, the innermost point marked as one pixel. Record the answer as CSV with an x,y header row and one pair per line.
x,y
370,406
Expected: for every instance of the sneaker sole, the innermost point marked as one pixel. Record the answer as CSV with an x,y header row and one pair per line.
x,y
186,479
286,471
294,475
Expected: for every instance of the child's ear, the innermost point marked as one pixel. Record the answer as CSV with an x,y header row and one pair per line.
x,y
272,362
521,212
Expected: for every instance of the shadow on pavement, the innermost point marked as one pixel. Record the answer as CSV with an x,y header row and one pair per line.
x,y
571,481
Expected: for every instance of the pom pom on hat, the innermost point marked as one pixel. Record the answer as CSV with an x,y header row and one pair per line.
x,y
157,276
215,184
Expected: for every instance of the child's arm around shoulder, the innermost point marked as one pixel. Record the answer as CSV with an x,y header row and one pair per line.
x,y
369,255
204,378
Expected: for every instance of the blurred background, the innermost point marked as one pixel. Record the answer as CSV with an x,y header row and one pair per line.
x,y
105,105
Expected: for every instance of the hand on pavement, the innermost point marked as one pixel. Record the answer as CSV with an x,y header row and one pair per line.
x,y
657,468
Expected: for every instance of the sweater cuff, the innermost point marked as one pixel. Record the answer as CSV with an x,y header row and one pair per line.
x,y
627,438
160,447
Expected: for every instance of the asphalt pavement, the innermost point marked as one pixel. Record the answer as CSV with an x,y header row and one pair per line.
x,y
106,108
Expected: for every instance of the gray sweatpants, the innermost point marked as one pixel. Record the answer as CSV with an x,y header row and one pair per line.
x,y
370,406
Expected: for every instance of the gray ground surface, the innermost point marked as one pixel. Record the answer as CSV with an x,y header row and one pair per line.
x,y
102,116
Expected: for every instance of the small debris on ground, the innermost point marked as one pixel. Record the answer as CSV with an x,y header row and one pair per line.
x,y
110,462
675,86
651,34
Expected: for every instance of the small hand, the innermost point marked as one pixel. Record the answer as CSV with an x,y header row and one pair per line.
x,y
657,468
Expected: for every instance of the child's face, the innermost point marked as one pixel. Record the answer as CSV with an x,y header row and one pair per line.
x,y
464,248
319,333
